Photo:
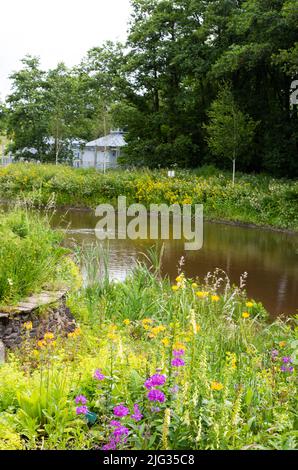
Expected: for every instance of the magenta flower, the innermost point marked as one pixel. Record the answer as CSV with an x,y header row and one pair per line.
x,y
115,424
274,354
178,352
155,380
98,375
137,415
177,362
111,445
156,395
80,399
286,359
121,411
287,369
120,433
81,410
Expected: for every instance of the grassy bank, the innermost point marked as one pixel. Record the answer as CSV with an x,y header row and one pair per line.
x,y
152,365
258,200
31,256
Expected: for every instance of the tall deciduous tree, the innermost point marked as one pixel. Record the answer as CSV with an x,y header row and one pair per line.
x,y
230,131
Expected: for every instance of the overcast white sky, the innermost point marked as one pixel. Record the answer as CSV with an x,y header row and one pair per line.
x,y
56,30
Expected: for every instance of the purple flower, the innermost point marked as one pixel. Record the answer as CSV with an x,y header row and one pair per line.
x,y
156,395
111,445
137,415
177,362
286,359
80,399
287,369
155,409
155,380
81,410
98,375
119,432
174,389
121,411
274,353
115,424
178,352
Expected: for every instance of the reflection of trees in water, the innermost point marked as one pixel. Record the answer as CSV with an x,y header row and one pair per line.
x,y
270,258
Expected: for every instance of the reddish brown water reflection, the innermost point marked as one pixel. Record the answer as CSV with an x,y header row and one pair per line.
x,y
270,258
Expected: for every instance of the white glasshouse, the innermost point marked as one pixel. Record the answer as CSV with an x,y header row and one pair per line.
x,y
102,153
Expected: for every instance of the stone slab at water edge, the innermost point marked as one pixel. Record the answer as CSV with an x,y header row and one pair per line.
x,y
46,311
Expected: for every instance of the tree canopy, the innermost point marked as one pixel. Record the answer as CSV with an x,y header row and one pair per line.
x,y
161,86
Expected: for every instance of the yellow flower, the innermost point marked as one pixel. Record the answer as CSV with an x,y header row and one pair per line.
x,y
175,288
178,345
41,343
165,341
215,298
201,294
147,321
216,386
126,322
245,315
180,278
112,336
28,325
48,336
282,344
35,352
158,329
249,304
194,285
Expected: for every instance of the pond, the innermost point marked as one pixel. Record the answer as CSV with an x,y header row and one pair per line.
x,y
270,258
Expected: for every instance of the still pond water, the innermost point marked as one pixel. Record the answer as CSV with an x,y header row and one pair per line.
x,y
270,258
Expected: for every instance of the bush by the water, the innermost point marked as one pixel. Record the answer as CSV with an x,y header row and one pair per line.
x,y
257,199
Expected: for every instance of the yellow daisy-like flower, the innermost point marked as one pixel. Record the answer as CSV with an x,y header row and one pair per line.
x,y
202,294
147,321
194,285
180,278
282,344
165,341
48,336
35,352
126,322
215,298
28,325
41,343
216,386
175,288
249,304
245,315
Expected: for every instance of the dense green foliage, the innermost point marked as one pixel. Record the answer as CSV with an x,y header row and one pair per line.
x,y
161,84
31,257
253,199
234,386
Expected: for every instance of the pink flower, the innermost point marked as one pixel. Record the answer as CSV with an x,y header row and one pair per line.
x,y
98,375
156,395
121,411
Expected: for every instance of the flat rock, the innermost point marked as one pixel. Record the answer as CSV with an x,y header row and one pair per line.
x,y
34,301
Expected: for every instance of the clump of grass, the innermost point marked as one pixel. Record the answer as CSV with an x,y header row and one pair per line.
x,y
30,254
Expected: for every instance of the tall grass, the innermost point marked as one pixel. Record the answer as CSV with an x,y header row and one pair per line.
x,y
30,254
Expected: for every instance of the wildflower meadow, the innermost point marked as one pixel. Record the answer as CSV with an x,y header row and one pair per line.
x,y
153,365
